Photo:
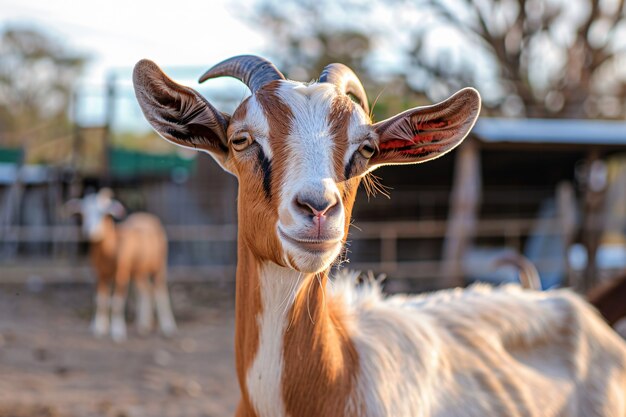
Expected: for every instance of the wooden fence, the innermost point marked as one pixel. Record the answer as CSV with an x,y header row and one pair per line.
x,y
386,235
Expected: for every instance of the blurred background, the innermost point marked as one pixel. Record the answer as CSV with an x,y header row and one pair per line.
x,y
543,174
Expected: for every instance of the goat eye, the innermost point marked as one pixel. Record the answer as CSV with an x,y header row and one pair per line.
x,y
366,150
241,141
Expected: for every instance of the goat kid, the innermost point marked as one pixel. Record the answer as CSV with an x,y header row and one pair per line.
x,y
307,346
137,248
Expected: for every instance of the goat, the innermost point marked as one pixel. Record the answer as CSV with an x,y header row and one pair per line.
x,y
135,248
309,346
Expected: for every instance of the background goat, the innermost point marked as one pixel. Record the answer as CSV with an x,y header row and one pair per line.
x,y
135,248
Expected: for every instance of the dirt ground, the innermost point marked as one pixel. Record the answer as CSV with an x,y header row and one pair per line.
x,y
51,366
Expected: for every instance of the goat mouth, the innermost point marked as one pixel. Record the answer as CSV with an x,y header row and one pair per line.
x,y
316,246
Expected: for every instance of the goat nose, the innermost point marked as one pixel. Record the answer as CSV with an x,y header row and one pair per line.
x,y
316,207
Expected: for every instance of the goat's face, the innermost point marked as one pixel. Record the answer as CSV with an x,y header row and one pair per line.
x,y
299,150
94,209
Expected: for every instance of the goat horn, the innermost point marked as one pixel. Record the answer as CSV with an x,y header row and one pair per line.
x,y
346,80
252,70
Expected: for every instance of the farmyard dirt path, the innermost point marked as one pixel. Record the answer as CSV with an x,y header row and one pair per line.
x,y
51,366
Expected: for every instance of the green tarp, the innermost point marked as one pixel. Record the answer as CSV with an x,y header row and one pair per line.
x,y
10,155
125,163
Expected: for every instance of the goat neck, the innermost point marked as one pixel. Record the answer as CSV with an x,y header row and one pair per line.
x,y
106,246
291,341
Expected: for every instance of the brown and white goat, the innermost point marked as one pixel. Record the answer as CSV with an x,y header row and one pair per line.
x,y
308,346
135,248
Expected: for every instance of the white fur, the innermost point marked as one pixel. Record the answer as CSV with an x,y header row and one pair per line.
x,y
118,322
94,209
475,352
144,308
279,287
164,311
358,128
310,168
255,124
548,354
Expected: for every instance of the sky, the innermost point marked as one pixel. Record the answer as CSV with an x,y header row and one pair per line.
x,y
118,33
115,34
185,38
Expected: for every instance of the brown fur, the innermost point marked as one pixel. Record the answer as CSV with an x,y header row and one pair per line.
x,y
103,253
348,191
135,248
258,220
339,120
247,309
329,361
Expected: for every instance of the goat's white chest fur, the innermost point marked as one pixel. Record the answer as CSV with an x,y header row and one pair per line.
x,y
279,287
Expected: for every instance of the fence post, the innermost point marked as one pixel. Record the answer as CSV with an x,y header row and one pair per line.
x,y
464,202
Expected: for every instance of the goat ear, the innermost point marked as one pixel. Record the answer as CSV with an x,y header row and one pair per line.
x,y
426,133
116,209
180,114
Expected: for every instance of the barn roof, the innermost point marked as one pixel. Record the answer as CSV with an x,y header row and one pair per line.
x,y
551,131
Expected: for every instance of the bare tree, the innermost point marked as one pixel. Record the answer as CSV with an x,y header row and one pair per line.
x,y
537,58
37,79
552,58
310,34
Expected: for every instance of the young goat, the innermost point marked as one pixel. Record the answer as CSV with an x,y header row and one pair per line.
x,y
306,346
134,248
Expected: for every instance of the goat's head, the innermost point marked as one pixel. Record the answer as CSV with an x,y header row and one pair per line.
x,y
299,150
94,208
